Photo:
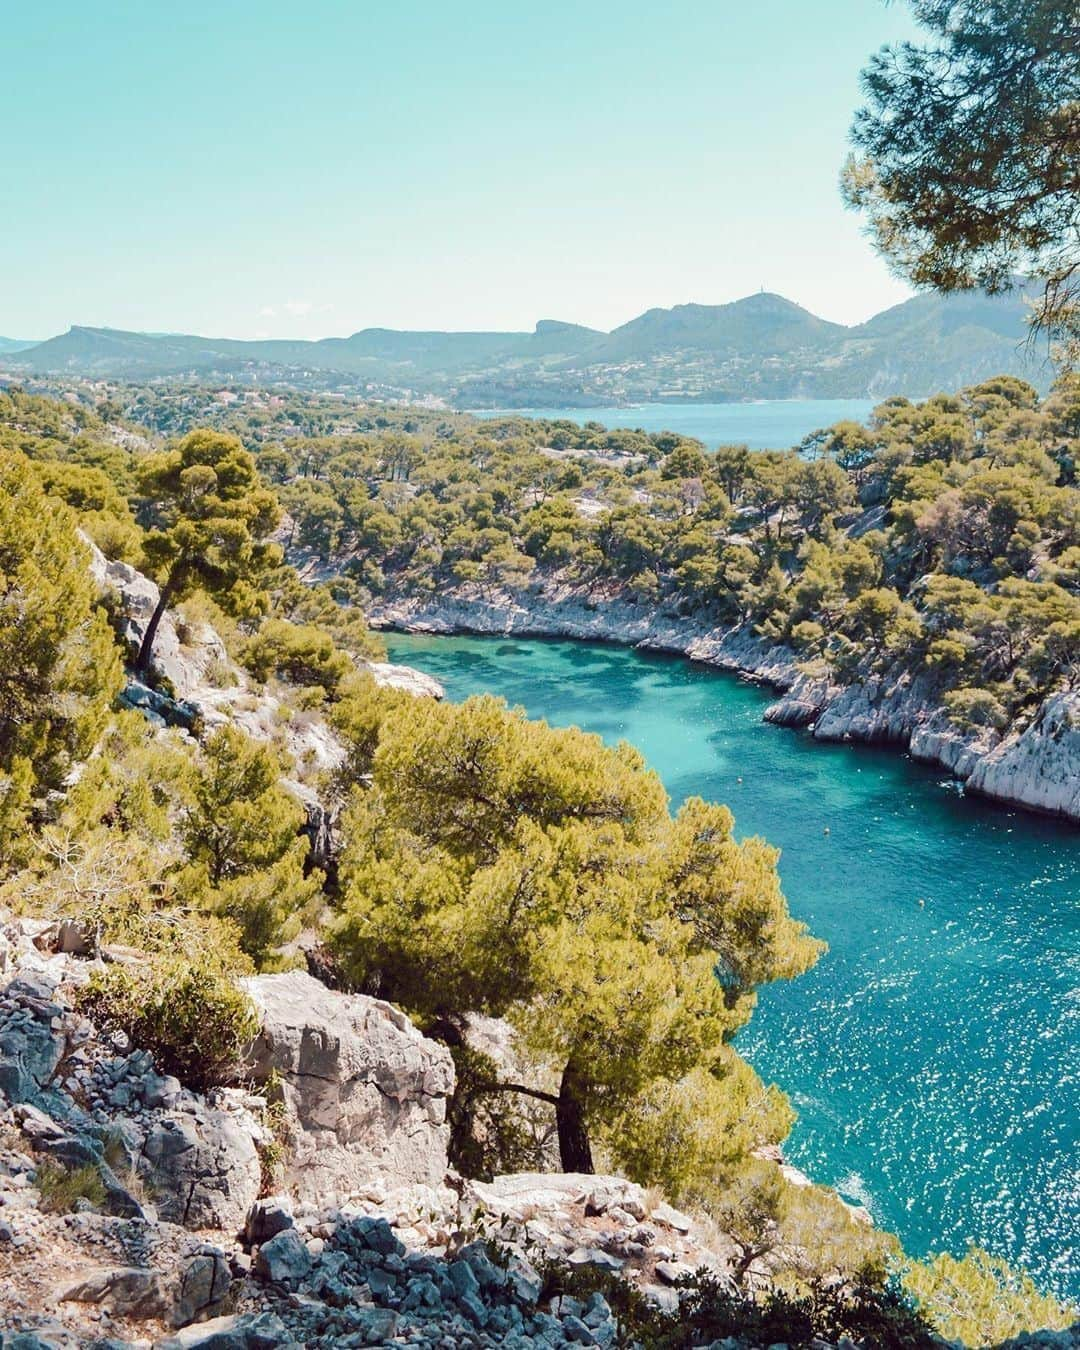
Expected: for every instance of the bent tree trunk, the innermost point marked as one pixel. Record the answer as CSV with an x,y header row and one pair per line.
x,y
575,1154
146,647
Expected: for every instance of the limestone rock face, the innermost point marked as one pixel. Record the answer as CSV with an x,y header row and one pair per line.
x,y
1041,766
366,1092
209,688
406,678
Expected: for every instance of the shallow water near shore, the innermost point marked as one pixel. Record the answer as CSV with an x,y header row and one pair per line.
x,y
933,1055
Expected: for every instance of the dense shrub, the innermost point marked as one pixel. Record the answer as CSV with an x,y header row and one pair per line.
x,y
192,1016
981,1300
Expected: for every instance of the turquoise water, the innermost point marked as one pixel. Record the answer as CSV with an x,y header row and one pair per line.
x,y
774,425
933,1053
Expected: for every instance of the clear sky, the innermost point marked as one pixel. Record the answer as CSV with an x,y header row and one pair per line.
x,y
263,167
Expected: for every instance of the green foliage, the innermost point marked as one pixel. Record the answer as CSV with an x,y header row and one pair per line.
x,y
60,1187
975,488
240,829
981,1300
300,654
59,669
183,1005
709,1313
958,198
503,866
102,508
972,708
207,515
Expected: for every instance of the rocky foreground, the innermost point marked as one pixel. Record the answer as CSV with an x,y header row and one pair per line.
x,y
367,1239
219,1222
1035,766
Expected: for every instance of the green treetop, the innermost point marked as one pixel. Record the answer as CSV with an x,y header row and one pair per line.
x,y
59,667
500,865
208,514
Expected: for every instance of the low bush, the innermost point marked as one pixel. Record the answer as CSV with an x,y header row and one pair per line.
x,y
192,1017
709,1312
60,1187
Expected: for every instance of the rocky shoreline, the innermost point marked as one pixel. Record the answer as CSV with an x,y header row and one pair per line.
x,y
1035,766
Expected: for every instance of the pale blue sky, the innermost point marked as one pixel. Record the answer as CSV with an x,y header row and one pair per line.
x,y
257,167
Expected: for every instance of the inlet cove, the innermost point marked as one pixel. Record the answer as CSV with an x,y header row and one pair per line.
x,y
931,1054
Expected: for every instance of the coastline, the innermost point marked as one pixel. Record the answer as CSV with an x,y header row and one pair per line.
x,y
1035,766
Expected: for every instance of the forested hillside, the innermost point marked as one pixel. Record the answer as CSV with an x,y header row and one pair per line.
x,y
943,537
158,777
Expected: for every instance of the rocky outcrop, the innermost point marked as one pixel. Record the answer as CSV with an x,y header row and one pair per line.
x,y
196,684
372,1239
366,1093
1041,766
1036,766
89,1101
405,678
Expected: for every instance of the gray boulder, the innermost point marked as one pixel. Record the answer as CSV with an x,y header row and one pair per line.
x,y
264,1331
266,1218
203,1169
204,1282
131,1291
366,1093
284,1259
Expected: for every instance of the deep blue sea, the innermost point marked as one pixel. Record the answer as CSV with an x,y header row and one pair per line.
x,y
934,1053
762,426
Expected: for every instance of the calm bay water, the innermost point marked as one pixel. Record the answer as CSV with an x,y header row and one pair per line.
x,y
773,425
933,1055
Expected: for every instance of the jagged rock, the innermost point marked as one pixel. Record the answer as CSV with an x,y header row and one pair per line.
x,y
204,1283
674,1218
129,1290
368,1233
365,1091
268,1217
411,681
30,1047
264,1331
284,1259
376,1325
614,1193
203,1168
671,1272
1041,766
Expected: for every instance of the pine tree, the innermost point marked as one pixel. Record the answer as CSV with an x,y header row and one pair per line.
x,y
500,865
208,516
59,666
241,832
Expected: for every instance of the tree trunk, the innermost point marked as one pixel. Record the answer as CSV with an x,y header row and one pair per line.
x,y
146,648
574,1151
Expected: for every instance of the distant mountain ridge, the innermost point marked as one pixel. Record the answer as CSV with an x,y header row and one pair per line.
x,y
13,345
763,346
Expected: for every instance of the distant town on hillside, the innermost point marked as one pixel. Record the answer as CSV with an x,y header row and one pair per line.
x,y
760,347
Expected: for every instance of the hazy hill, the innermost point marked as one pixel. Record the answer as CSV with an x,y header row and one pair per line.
x,y
762,325
13,344
763,346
